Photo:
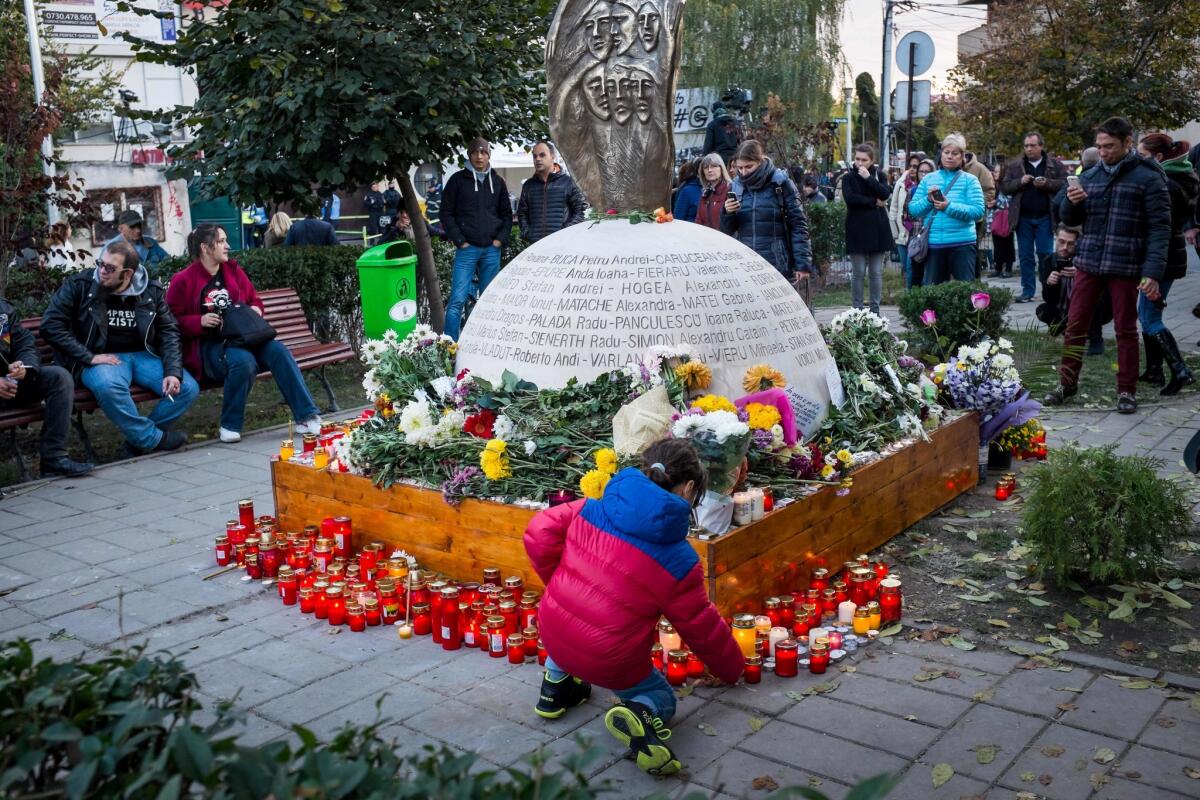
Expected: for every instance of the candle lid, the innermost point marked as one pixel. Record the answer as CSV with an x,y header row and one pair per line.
x,y
353,607
678,656
754,661
743,620
787,644
890,583
515,640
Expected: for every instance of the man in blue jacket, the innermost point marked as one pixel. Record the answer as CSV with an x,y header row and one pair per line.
x,y
477,214
150,253
1124,207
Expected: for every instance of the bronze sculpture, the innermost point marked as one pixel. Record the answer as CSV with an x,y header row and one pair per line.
x,y
611,67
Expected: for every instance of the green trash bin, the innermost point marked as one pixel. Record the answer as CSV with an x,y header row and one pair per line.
x,y
387,279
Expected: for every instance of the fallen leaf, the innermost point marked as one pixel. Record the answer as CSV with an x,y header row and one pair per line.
x,y
984,696
1029,777
1070,621
1026,796
821,688
765,782
891,630
941,774
796,695
959,642
1045,780
1093,603
1181,623
999,623
974,537
1192,772
1104,756
1068,689
1136,684
1037,601
910,717
984,514
985,753
1098,779
1133,774
813,780
1053,750
1123,611
986,597
756,724
1165,722
982,558
1067,706
707,729
222,618
685,691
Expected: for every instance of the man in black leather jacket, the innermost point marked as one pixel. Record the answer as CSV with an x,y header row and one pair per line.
x,y
112,328
550,200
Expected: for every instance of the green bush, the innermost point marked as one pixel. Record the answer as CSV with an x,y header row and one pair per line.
x,y
958,322
30,290
826,231
1093,514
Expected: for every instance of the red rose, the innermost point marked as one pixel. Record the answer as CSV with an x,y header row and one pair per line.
x,y
481,425
612,212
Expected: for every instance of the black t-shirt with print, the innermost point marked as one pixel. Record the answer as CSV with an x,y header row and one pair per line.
x,y
214,296
123,334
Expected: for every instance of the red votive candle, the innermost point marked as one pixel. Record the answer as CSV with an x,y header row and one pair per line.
x,y
773,609
355,617
496,637
819,579
541,653
343,532
818,659
695,667
787,658
337,605
891,602
372,611
246,513
253,568
307,601
422,620
491,575
287,584
320,600
768,498
512,618
223,550
560,497
527,617
677,667
516,649
752,672
787,610
656,656
435,608
530,637
450,620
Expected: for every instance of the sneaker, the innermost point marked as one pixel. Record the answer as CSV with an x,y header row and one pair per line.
x,y
229,437
1126,403
311,425
1024,299
1095,347
556,697
645,734
65,467
1060,395
128,450
171,440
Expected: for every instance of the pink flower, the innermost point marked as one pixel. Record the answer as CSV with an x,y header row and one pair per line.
x,y
981,300
929,317
612,212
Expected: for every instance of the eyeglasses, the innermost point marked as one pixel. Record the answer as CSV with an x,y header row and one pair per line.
x,y
106,268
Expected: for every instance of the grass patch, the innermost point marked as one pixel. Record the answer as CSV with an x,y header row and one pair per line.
x,y
839,294
264,409
994,541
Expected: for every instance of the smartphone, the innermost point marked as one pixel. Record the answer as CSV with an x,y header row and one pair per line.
x,y
1073,180
938,196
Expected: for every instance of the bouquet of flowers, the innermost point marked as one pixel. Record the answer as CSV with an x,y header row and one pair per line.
x,y
421,361
984,378
1024,441
712,424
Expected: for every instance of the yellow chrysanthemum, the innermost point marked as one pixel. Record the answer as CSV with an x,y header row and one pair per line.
x,y
845,456
496,446
592,484
694,375
714,402
826,471
606,460
494,462
763,376
763,417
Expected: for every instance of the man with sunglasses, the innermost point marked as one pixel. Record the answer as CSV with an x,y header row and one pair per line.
x,y
113,329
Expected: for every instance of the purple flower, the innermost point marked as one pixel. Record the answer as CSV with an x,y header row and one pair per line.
x,y
800,465
762,439
981,300
454,489
907,361
929,317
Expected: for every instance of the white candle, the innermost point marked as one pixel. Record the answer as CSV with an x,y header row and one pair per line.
x,y
817,633
846,613
743,511
670,640
776,635
756,505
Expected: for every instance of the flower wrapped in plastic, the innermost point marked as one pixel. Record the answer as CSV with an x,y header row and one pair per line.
x,y
642,422
721,439
983,377
778,400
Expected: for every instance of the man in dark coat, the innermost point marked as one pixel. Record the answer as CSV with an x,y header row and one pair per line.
x,y
723,134
1031,183
550,200
477,214
868,232
1125,210
310,231
25,381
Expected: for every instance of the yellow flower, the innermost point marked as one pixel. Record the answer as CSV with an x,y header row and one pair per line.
x,y
592,484
496,446
606,460
763,376
494,462
763,417
845,456
694,375
847,482
714,402
826,471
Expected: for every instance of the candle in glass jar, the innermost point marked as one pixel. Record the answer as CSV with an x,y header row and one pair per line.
x,y
876,614
512,618
757,504
890,600
310,442
356,618
743,508
449,620
818,659
435,609
881,569
496,636
773,608
560,497
787,610
745,633
762,623
835,640
246,513
527,617
287,449
422,619
862,620
668,637
287,585
404,630
817,633
337,605
656,656
1003,491
307,601
819,580
768,499
695,667
677,667
372,611
222,549
516,649
541,651
253,568
787,655
321,458
530,637
846,612
774,637
491,575
829,603
752,672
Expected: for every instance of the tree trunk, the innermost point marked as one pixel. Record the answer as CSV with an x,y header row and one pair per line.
x,y
425,263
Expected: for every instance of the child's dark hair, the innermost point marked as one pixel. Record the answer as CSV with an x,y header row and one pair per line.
x,y
670,462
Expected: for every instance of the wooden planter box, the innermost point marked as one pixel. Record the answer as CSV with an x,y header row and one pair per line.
x,y
741,567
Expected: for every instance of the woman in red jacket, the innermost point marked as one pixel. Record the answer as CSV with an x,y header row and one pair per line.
x,y
195,295
612,568
714,187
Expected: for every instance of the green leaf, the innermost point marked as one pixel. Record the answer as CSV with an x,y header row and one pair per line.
x,y
80,779
1037,601
192,753
61,732
942,773
1122,611
1104,755
985,753
171,789
892,630
1070,621
959,642
999,623
707,729
1174,600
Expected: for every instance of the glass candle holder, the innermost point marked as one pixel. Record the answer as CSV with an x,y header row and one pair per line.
x,y
560,497
496,636
222,550
695,667
541,653
891,603
762,623
435,608
337,605
876,614
757,505
527,614
881,569
287,449
246,513
320,600
343,533
372,611
818,659
773,608
787,655
307,601
860,586
516,649
829,603
656,656
835,640
512,617
774,637
745,633
768,499
491,575
449,619
530,641
355,617
253,568
668,637
422,619
321,458
677,667
310,442
514,584
287,584
752,672
819,579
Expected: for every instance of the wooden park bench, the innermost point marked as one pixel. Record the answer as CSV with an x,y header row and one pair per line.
x,y
282,310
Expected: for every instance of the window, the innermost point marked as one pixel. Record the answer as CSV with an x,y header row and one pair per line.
x,y
107,205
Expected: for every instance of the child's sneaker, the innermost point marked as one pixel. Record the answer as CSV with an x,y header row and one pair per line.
x,y
635,727
556,697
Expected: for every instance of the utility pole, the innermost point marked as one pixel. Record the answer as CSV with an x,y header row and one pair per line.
x,y
39,91
849,93
885,89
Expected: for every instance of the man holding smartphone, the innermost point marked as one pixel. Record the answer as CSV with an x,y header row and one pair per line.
x,y
1031,183
1124,209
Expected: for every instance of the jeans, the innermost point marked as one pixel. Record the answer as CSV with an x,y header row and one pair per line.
x,y
860,263
950,263
653,691
55,387
905,264
1150,315
1085,294
469,261
238,369
1034,239
111,385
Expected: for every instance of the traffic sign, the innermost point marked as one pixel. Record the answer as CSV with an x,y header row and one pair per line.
x,y
920,100
923,54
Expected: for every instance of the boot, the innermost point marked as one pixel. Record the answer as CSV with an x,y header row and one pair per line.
x,y
1180,374
1154,362
556,697
1060,395
636,727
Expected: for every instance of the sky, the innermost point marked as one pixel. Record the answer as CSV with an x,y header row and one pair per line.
x,y
862,36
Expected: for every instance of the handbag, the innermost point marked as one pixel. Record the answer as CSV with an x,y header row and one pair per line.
x,y
918,242
241,326
1000,223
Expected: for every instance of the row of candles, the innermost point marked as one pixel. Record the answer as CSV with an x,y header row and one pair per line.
x,y
1006,486
318,571
750,505
317,449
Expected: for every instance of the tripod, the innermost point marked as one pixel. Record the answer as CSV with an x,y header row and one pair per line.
x,y
127,132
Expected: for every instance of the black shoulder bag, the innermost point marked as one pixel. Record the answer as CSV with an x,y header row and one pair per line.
x,y
241,326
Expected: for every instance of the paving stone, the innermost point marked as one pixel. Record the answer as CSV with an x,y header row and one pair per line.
x,y
400,702
61,582
984,725
820,753
1176,727
90,551
80,499
905,669
82,596
770,697
15,548
11,579
1122,789
42,563
1100,664
862,725
50,641
1069,772
148,607
226,678
592,735
178,636
341,641
98,625
734,774
902,700
917,784
257,731
1107,708
1186,681
323,697
499,741
413,657
465,670
504,696
732,727
1164,770
982,658
12,617
290,662
1039,691
229,641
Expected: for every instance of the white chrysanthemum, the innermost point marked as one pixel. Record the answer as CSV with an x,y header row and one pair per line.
x,y
503,428
721,424
530,447
371,386
444,386
1005,344
776,437
868,385
415,418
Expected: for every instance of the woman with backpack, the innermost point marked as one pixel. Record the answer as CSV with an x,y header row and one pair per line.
x,y
763,212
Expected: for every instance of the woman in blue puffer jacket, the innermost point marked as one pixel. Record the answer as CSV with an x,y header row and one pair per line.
x,y
763,212
952,219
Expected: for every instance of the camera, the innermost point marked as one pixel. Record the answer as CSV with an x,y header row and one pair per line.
x,y
737,99
127,96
